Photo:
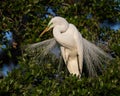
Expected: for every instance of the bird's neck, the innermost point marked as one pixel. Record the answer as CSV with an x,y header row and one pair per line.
x,y
59,29
61,38
57,33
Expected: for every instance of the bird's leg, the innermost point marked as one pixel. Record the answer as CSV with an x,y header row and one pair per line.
x,y
66,69
80,71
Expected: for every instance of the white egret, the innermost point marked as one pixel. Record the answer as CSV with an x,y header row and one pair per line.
x,y
74,48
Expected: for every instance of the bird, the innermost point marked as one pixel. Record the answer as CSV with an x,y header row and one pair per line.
x,y
76,51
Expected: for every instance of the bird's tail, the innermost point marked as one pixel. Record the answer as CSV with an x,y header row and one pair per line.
x,y
94,58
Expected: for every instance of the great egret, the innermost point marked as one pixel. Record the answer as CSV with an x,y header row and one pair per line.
x,y
74,48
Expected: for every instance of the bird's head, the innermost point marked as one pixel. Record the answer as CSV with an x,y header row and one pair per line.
x,y
54,22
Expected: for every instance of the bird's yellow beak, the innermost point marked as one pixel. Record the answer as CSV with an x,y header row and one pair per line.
x,y
46,29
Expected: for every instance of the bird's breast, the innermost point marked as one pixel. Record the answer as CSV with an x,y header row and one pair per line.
x,y
68,40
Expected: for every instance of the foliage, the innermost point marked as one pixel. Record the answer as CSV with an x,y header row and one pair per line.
x,y
32,79
26,19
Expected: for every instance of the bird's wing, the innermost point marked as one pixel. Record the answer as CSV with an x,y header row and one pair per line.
x,y
42,50
79,46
